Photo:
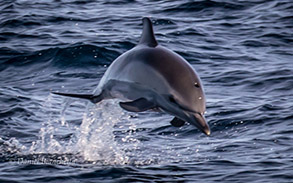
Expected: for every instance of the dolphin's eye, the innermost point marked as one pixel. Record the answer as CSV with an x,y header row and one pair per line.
x,y
196,85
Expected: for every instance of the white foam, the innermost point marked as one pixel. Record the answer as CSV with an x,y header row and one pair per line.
x,y
93,140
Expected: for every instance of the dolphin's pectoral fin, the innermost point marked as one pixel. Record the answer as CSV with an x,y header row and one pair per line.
x,y
177,122
93,98
137,105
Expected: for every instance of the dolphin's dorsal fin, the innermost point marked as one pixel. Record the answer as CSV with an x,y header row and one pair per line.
x,y
147,36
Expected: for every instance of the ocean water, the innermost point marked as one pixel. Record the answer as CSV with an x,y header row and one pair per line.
x,y
242,50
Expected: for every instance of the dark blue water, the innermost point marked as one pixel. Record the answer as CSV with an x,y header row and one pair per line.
x,y
242,50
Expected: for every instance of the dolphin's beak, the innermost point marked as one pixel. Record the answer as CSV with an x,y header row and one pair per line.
x,y
199,121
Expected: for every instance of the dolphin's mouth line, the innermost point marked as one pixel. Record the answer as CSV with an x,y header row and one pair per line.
x,y
190,110
186,109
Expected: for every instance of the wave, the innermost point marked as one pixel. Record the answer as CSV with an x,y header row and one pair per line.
x,y
73,56
197,6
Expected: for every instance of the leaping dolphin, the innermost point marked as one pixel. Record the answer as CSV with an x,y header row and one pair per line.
x,y
150,76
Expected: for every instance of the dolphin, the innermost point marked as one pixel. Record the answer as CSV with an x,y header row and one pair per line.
x,y
152,77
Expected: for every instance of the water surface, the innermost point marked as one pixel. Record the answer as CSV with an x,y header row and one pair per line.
x,y
242,50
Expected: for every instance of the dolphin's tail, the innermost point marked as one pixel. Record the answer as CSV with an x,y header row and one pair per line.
x,y
93,98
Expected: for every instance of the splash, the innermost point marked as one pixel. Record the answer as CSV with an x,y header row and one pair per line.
x,y
96,139
93,140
